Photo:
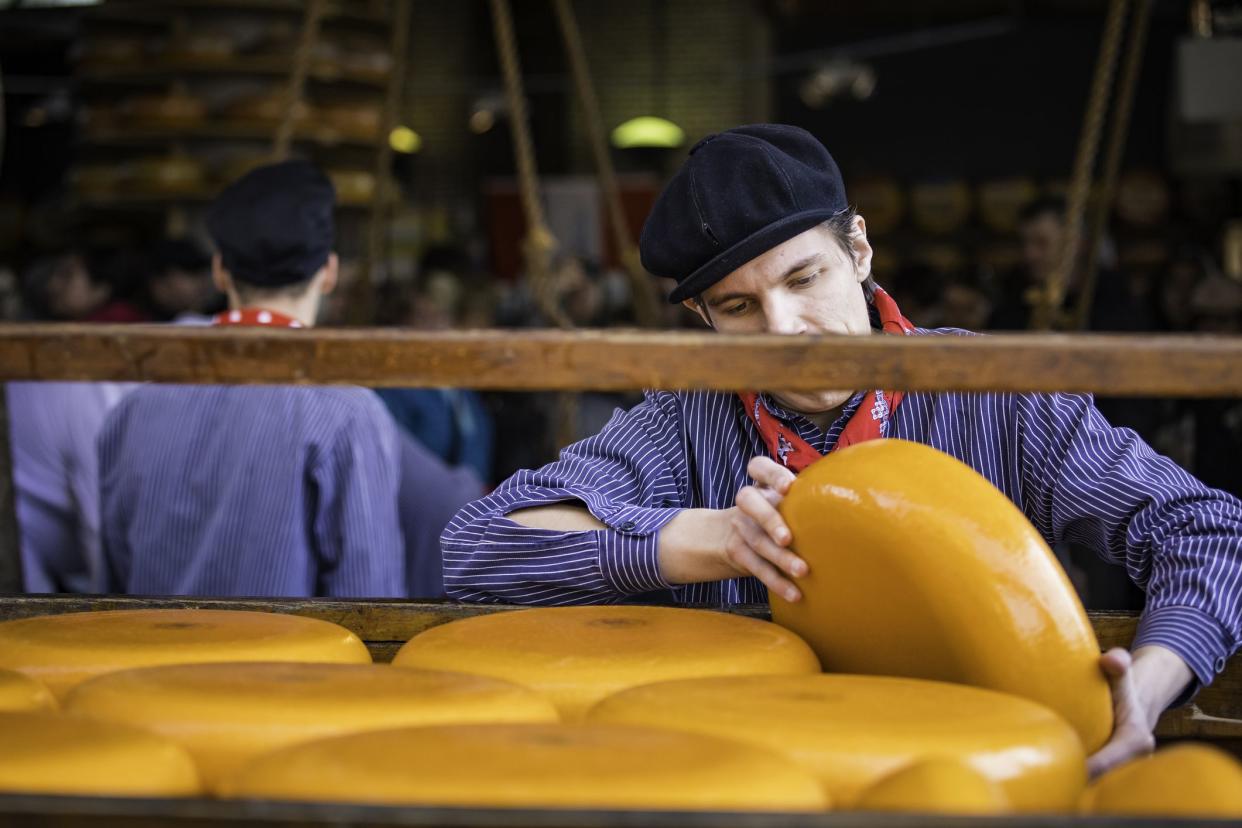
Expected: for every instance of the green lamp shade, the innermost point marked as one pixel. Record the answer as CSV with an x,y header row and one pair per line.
x,y
648,131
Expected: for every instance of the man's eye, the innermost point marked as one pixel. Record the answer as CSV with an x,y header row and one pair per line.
x,y
804,281
738,309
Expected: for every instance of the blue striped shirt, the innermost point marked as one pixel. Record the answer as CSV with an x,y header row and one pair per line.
x,y
249,491
1075,478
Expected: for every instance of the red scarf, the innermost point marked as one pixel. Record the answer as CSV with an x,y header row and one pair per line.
x,y
256,316
788,448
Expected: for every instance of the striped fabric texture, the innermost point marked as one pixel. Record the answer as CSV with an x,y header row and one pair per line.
x,y
1074,476
251,491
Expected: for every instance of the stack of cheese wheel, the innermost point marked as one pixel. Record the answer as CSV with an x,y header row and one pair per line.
x,y
534,766
853,730
1186,780
20,692
53,753
578,655
920,567
936,785
227,714
64,650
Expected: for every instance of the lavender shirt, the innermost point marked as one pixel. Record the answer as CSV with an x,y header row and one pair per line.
x,y
1075,478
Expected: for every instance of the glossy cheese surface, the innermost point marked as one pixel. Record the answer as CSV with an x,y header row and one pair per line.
x,y
57,753
853,730
920,567
935,786
535,766
578,655
1186,780
19,691
227,714
64,650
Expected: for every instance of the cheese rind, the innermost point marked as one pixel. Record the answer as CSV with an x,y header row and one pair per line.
x,y
578,655
20,692
227,714
920,567
851,731
934,786
64,650
58,753
534,766
1185,780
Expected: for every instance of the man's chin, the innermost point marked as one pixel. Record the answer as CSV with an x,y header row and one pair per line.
x,y
804,403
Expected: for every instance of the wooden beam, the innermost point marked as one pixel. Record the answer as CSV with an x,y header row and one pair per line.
x,y
1215,714
1184,366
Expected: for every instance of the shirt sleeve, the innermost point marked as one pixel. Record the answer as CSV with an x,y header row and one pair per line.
x,y
630,477
356,526
1181,541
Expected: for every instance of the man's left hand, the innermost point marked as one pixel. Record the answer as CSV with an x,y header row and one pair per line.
x,y
1143,685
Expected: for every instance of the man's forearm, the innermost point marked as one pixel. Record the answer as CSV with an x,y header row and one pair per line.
x,y
1160,676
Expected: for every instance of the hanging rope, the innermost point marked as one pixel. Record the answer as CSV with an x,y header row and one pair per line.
x,y
362,298
539,245
297,79
642,286
1051,295
1135,48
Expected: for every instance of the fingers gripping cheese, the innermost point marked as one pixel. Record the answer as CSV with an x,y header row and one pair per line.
x,y
920,567
578,655
64,650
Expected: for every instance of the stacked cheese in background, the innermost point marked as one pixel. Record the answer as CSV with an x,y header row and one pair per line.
x,y
940,663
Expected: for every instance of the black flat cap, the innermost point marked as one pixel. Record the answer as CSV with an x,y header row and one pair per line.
x,y
739,194
274,226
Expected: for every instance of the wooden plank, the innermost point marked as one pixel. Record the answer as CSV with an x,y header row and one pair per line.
x,y
1215,714
1189,366
92,812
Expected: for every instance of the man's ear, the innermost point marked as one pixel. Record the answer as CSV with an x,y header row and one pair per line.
x,y
861,248
219,276
331,272
694,305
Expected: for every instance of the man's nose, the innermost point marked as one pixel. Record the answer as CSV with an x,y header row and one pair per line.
x,y
783,318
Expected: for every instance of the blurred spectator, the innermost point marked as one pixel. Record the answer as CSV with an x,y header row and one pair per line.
x,y
179,280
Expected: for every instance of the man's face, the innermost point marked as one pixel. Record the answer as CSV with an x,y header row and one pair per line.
x,y
808,285
1042,240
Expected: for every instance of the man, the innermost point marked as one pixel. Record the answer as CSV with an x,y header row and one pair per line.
x,y
53,427
219,490
681,491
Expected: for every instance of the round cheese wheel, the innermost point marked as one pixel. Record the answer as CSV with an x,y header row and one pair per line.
x,y
852,730
20,692
920,567
64,650
56,753
935,786
1187,780
534,766
578,655
227,714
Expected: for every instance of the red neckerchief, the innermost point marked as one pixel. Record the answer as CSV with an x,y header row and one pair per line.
x,y
788,448
256,316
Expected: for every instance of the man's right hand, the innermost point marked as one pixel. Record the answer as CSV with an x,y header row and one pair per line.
x,y
749,539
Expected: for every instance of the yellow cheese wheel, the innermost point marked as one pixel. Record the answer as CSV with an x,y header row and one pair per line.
x,y
57,753
227,714
852,730
1187,780
20,692
935,786
578,655
64,650
920,567
534,766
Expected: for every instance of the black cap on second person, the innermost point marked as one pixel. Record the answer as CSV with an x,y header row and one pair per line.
x,y
274,225
739,194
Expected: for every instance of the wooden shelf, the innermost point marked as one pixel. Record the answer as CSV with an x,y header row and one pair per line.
x,y
143,202
163,70
215,131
